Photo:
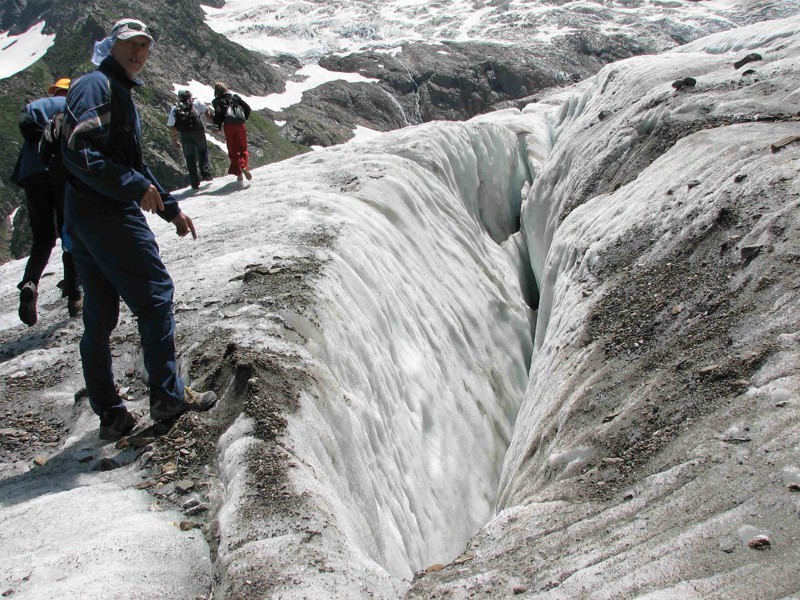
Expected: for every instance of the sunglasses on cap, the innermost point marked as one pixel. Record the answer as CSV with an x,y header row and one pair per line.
x,y
129,28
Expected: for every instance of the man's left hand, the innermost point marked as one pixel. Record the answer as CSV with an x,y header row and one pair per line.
x,y
183,225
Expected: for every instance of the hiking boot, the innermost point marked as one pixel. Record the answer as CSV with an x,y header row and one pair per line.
x,y
169,410
246,173
195,186
239,178
27,304
75,306
116,423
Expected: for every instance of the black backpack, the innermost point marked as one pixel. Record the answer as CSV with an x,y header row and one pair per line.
x,y
186,117
50,145
235,109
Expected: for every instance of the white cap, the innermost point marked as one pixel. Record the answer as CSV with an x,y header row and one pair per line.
x,y
125,29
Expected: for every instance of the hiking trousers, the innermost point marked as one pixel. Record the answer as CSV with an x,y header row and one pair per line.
x,y
117,257
195,150
236,139
45,200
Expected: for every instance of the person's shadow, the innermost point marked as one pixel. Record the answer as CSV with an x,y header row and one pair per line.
x,y
32,338
64,471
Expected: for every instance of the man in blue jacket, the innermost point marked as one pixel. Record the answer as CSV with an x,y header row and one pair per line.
x,y
44,195
115,251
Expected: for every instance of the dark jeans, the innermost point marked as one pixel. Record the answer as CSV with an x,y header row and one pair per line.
x,y
195,149
117,256
45,199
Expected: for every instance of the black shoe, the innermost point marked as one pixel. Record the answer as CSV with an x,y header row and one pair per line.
x,y
75,306
168,410
116,423
195,186
27,304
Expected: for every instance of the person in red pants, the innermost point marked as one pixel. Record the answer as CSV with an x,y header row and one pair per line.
x,y
230,115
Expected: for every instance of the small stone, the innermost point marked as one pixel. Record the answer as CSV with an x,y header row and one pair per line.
x,y
739,178
610,417
463,559
434,568
168,468
693,184
677,309
7,593
140,441
782,143
748,253
196,510
760,542
520,589
166,489
684,83
84,456
106,464
184,486
781,404
727,546
747,59
40,461
189,525
190,503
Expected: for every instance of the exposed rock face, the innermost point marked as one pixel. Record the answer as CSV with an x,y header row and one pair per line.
x,y
451,81
330,112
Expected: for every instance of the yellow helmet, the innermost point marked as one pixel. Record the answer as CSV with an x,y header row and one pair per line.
x,y
61,84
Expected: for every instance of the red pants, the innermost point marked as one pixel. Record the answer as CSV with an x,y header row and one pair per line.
x,y
236,138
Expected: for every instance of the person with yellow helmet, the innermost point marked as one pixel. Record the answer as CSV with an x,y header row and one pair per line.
x,y
44,194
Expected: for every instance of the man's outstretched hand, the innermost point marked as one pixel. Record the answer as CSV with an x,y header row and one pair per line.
x,y
183,225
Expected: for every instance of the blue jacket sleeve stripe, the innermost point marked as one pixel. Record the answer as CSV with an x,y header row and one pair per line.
x,y
87,133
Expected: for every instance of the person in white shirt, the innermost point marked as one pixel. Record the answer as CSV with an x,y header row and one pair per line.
x,y
185,124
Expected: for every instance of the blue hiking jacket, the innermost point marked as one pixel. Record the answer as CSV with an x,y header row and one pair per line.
x,y
32,121
101,142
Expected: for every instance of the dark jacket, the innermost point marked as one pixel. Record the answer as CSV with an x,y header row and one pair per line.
x,y
32,121
101,142
223,103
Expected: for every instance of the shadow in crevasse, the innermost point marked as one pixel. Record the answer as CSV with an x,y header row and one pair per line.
x,y
63,471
